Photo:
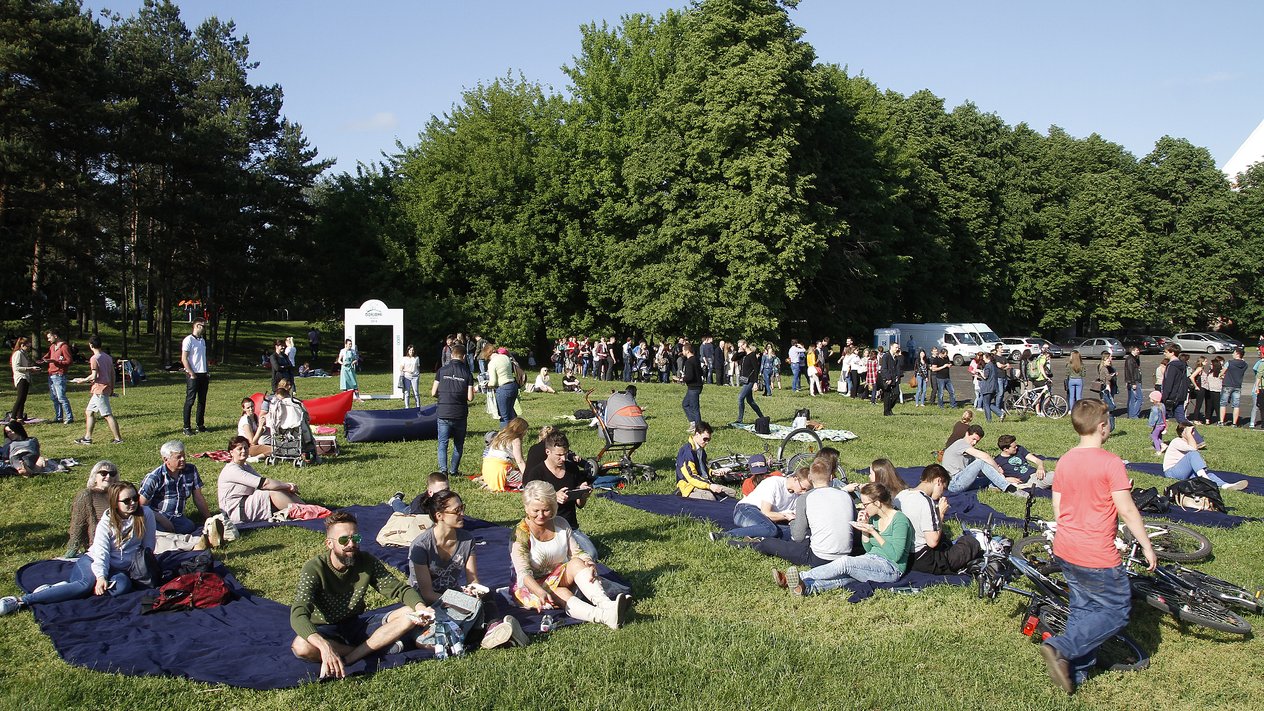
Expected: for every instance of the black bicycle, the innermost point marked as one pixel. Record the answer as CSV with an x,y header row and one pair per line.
x,y
1179,596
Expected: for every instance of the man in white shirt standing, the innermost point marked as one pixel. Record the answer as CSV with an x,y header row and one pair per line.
x,y
193,358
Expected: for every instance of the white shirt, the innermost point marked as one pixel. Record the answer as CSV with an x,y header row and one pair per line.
x,y
410,365
797,354
772,491
1176,451
196,348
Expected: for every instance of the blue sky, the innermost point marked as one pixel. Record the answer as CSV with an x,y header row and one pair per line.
x,y
360,75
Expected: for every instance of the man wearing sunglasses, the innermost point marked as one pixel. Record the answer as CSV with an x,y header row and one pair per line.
x,y
328,611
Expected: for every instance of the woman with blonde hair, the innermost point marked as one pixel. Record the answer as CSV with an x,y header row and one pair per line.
x,y
503,465
1075,379
551,567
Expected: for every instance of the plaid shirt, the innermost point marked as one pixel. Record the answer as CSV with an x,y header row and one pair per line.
x,y
871,371
167,494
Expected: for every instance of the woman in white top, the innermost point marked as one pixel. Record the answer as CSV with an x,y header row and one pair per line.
x,y
22,366
410,374
1182,460
551,567
291,351
541,384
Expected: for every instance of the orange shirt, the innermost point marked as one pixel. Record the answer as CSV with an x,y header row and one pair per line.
x,y
1087,518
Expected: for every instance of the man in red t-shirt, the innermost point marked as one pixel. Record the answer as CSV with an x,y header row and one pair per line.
x,y
1090,493
58,361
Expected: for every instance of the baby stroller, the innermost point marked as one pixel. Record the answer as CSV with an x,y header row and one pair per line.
x,y
623,430
289,431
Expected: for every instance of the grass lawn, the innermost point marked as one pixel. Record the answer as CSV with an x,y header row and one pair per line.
x,y
709,628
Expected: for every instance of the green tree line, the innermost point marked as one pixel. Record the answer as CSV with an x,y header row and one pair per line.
x,y
139,167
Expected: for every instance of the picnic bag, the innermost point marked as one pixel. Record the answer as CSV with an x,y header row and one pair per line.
x,y
1150,501
401,528
1197,493
187,592
763,425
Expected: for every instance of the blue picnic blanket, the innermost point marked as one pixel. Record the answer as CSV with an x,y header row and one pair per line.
x,y
246,642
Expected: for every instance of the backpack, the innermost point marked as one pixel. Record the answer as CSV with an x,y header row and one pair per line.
x,y
187,592
1197,493
763,425
1150,501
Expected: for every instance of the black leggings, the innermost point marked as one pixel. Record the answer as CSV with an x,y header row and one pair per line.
x,y
19,406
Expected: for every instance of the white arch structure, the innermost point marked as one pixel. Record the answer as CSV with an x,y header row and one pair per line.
x,y
1248,154
376,313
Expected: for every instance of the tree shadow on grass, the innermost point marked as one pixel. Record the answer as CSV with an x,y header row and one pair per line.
x,y
32,537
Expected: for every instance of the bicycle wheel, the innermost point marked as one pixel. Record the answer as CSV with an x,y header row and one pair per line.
x,y
1056,407
1174,542
1222,590
1119,653
1196,612
799,445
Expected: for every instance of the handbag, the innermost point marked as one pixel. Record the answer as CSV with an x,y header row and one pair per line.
x,y
401,528
1097,386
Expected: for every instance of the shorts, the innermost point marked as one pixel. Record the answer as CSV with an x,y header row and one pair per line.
x,y
353,631
100,404
1231,398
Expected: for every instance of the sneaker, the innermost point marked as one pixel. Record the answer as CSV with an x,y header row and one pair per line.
x,y
83,440
507,631
745,542
214,532
397,496
9,605
715,536
116,441
396,647
1003,414
622,603
187,432
1059,668
1011,489
1236,486
202,429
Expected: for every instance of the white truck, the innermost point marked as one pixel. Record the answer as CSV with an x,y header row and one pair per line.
x,y
962,341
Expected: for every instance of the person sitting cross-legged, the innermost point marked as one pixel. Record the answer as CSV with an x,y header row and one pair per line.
x,y
167,488
821,530
327,615
926,507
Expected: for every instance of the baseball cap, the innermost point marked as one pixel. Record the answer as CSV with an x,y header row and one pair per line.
x,y
758,464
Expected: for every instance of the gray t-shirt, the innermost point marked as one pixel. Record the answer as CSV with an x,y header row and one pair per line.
x,y
955,458
825,514
921,513
444,574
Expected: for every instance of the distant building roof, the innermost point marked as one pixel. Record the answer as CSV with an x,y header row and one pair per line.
x,y
1248,154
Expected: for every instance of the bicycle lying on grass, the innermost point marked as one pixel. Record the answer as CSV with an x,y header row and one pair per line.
x,y
796,449
1047,610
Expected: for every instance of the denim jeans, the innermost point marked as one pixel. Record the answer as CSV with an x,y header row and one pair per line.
x,y
767,382
78,585
506,395
797,552
452,431
945,385
837,573
410,387
691,406
182,524
1075,391
57,393
482,365
991,404
919,397
1109,398
1135,399
747,395
977,475
1101,600
748,520
1230,399
796,370
1189,466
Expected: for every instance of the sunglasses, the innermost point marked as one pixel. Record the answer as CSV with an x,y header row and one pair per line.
x,y
106,473
458,511
353,538
129,500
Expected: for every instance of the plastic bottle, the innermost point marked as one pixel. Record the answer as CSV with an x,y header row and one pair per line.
x,y
440,642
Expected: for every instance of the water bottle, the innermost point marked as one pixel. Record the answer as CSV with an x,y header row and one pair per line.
x,y
546,624
454,636
440,642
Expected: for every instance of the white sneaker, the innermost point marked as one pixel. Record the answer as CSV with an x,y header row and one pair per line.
x,y
1236,486
8,605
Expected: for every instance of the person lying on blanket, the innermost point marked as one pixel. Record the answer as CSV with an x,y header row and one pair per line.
x,y
244,494
821,531
442,559
328,612
925,507
1020,467
121,556
887,536
691,467
551,567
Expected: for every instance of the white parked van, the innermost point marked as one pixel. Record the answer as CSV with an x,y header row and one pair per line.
x,y
960,340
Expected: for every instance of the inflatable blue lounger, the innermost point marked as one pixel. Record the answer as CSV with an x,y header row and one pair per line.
x,y
392,425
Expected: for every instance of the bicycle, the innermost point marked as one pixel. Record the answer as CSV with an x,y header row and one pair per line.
x,y
1168,591
1031,399
1047,611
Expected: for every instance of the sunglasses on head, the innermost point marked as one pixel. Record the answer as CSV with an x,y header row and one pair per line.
x,y
353,538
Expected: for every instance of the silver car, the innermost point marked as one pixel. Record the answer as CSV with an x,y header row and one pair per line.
x,y
1200,342
1095,347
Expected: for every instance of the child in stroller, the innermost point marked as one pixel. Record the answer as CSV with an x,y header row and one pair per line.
x,y
288,428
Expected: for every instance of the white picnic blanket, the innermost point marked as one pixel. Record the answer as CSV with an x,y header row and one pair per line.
x,y
780,432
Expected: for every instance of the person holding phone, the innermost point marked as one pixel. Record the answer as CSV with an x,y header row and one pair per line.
x,y
570,481
887,536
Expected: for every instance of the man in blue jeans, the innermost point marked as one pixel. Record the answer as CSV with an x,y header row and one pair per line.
x,y
972,468
454,387
1090,494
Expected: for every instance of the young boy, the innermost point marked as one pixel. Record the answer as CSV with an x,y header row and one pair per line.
x,y
1090,493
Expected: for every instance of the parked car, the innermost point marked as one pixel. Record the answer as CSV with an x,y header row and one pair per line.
x,y
1149,345
1233,342
1013,347
1094,347
1200,342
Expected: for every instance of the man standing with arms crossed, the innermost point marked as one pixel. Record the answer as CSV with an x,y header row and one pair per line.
x,y
1090,493
193,358
454,387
